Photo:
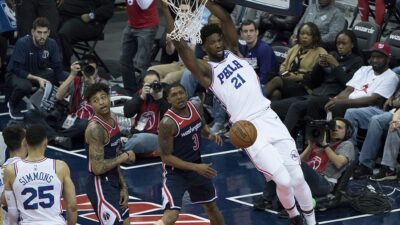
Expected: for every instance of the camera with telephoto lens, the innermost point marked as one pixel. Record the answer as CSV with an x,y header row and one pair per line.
x,y
316,130
156,86
87,69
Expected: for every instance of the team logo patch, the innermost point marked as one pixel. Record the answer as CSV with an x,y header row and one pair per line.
x,y
106,216
294,155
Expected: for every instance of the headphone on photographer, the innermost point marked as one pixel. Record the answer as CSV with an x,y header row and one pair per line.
x,y
349,128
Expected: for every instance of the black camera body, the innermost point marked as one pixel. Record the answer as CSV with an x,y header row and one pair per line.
x,y
316,130
87,69
156,86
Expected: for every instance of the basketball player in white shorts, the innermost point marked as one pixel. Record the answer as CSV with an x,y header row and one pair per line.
x,y
235,83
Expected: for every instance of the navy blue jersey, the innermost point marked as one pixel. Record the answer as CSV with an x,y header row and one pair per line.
x,y
187,139
111,148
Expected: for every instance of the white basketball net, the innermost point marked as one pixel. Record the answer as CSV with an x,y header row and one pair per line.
x,y
187,23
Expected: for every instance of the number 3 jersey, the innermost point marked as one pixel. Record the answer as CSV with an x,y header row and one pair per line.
x,y
187,139
38,191
237,87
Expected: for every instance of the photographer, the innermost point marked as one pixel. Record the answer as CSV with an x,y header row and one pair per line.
x,y
323,163
68,121
149,105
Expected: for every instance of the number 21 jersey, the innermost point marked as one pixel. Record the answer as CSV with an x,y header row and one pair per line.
x,y
38,190
237,87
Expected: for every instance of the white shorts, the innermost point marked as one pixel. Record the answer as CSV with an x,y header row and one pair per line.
x,y
274,146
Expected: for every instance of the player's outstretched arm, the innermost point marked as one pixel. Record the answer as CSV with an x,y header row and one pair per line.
x,y
228,27
96,137
12,210
69,195
201,71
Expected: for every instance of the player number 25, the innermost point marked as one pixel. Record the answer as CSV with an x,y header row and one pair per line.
x,y
238,81
47,198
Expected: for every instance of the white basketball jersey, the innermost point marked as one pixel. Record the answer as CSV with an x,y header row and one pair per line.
x,y
237,87
37,191
6,163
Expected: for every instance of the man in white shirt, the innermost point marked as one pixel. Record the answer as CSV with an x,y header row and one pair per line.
x,y
370,86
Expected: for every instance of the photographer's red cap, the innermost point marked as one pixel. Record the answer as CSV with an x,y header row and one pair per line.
x,y
382,48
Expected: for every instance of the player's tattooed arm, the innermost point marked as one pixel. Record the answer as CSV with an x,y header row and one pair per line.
x,y
96,137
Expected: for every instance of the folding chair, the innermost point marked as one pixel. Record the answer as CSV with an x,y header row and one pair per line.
x,y
393,40
391,10
82,48
367,34
281,52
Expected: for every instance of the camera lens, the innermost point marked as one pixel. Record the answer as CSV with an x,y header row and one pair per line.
x,y
88,70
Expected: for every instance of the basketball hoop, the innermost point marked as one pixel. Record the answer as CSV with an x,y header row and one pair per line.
x,y
187,23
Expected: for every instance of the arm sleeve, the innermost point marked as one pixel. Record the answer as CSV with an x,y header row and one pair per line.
x,y
132,106
265,59
104,11
345,76
346,149
337,25
144,4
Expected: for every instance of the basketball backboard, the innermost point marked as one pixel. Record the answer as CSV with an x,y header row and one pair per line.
x,y
280,7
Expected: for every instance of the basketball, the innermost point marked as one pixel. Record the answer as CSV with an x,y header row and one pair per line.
x,y
243,134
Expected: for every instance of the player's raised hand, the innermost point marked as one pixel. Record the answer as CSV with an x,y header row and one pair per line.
x,y
206,170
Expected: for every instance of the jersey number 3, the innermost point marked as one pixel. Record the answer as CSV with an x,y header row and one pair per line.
x,y
40,193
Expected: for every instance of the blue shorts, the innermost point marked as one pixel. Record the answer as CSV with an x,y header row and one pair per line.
x,y
103,194
175,184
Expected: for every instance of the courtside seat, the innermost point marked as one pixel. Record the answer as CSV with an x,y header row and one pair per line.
x,y
82,48
393,40
281,52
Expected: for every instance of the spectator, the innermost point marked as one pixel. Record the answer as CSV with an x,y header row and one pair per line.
x,y
327,79
370,86
377,125
257,53
299,62
329,19
242,13
35,61
148,106
82,20
137,41
380,7
78,112
390,151
28,11
322,163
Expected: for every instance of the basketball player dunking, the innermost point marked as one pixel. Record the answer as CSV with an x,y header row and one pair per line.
x,y
106,187
235,83
183,170
34,185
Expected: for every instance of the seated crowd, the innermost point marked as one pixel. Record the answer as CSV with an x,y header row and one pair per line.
x,y
324,76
